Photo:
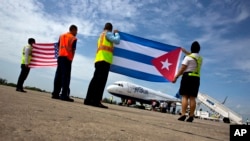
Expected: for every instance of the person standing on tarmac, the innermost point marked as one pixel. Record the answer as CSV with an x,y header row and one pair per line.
x,y
190,82
26,57
67,46
103,60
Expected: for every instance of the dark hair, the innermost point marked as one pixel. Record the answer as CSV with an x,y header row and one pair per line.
x,y
195,47
72,27
108,26
31,41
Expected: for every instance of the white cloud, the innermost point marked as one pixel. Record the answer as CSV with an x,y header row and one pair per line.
x,y
82,67
243,65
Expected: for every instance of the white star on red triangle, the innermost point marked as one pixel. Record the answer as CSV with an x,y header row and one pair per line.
x,y
165,64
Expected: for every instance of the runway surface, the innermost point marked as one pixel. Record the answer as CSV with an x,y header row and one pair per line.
x,y
34,116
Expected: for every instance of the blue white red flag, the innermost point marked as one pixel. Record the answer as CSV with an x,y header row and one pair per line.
x,y
145,59
44,55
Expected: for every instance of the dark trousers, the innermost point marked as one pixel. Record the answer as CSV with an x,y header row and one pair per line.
x,y
62,77
98,82
22,77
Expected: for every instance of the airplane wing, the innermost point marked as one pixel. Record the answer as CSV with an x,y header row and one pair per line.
x,y
167,98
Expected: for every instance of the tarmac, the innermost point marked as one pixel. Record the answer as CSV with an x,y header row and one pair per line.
x,y
34,116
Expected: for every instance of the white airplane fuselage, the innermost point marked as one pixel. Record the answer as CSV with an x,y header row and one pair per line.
x,y
138,93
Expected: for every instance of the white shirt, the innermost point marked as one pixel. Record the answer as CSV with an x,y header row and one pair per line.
x,y
190,62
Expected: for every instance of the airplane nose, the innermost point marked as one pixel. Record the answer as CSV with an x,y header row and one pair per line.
x,y
109,88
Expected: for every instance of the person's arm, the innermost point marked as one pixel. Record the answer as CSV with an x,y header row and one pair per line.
x,y
58,44
74,47
180,72
185,51
113,37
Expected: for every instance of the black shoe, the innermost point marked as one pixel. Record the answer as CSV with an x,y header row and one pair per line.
x,y
21,90
190,119
182,118
87,102
100,105
67,99
55,97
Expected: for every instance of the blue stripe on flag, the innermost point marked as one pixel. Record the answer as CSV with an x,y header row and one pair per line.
x,y
137,74
146,42
142,58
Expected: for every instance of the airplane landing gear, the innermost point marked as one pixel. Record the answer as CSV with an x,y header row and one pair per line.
x,y
226,120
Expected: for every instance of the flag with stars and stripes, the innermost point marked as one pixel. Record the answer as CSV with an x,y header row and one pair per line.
x,y
44,55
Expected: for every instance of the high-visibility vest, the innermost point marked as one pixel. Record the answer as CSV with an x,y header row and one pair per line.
x,y
197,70
23,54
104,49
66,45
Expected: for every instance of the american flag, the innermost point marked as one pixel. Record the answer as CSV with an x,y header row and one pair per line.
x,y
44,55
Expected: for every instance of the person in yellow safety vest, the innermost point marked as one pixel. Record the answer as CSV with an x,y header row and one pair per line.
x,y
26,57
190,82
111,99
103,60
67,46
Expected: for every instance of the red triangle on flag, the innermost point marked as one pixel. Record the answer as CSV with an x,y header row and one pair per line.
x,y
167,63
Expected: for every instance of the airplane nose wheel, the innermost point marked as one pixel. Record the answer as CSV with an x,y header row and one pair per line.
x,y
226,120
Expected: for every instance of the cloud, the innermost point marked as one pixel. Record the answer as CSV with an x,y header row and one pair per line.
x,y
27,21
238,106
82,67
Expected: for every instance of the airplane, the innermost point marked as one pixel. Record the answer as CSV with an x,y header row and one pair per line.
x,y
134,92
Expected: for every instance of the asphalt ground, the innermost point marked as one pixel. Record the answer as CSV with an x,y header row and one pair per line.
x,y
34,116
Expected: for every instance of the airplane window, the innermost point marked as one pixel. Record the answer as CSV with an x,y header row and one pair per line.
x,y
118,84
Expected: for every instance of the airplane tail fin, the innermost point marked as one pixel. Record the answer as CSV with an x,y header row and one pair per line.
x,y
177,95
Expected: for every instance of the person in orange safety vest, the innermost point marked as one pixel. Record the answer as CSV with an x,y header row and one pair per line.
x,y
66,46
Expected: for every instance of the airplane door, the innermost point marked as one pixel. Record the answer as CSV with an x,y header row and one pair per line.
x,y
129,88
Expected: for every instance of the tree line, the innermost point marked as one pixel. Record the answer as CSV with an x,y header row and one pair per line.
x,y
6,83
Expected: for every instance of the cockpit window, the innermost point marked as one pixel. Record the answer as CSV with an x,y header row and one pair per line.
x,y
121,85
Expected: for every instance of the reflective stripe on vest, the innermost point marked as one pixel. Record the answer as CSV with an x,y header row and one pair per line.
x,y
196,72
104,50
66,45
23,54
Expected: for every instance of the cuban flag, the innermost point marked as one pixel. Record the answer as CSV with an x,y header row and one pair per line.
x,y
145,59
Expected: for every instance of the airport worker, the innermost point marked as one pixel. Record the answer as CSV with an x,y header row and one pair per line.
x,y
164,107
154,105
26,57
111,99
67,46
161,106
103,60
168,107
174,107
190,82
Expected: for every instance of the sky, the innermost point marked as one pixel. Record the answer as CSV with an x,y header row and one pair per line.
x,y
221,28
